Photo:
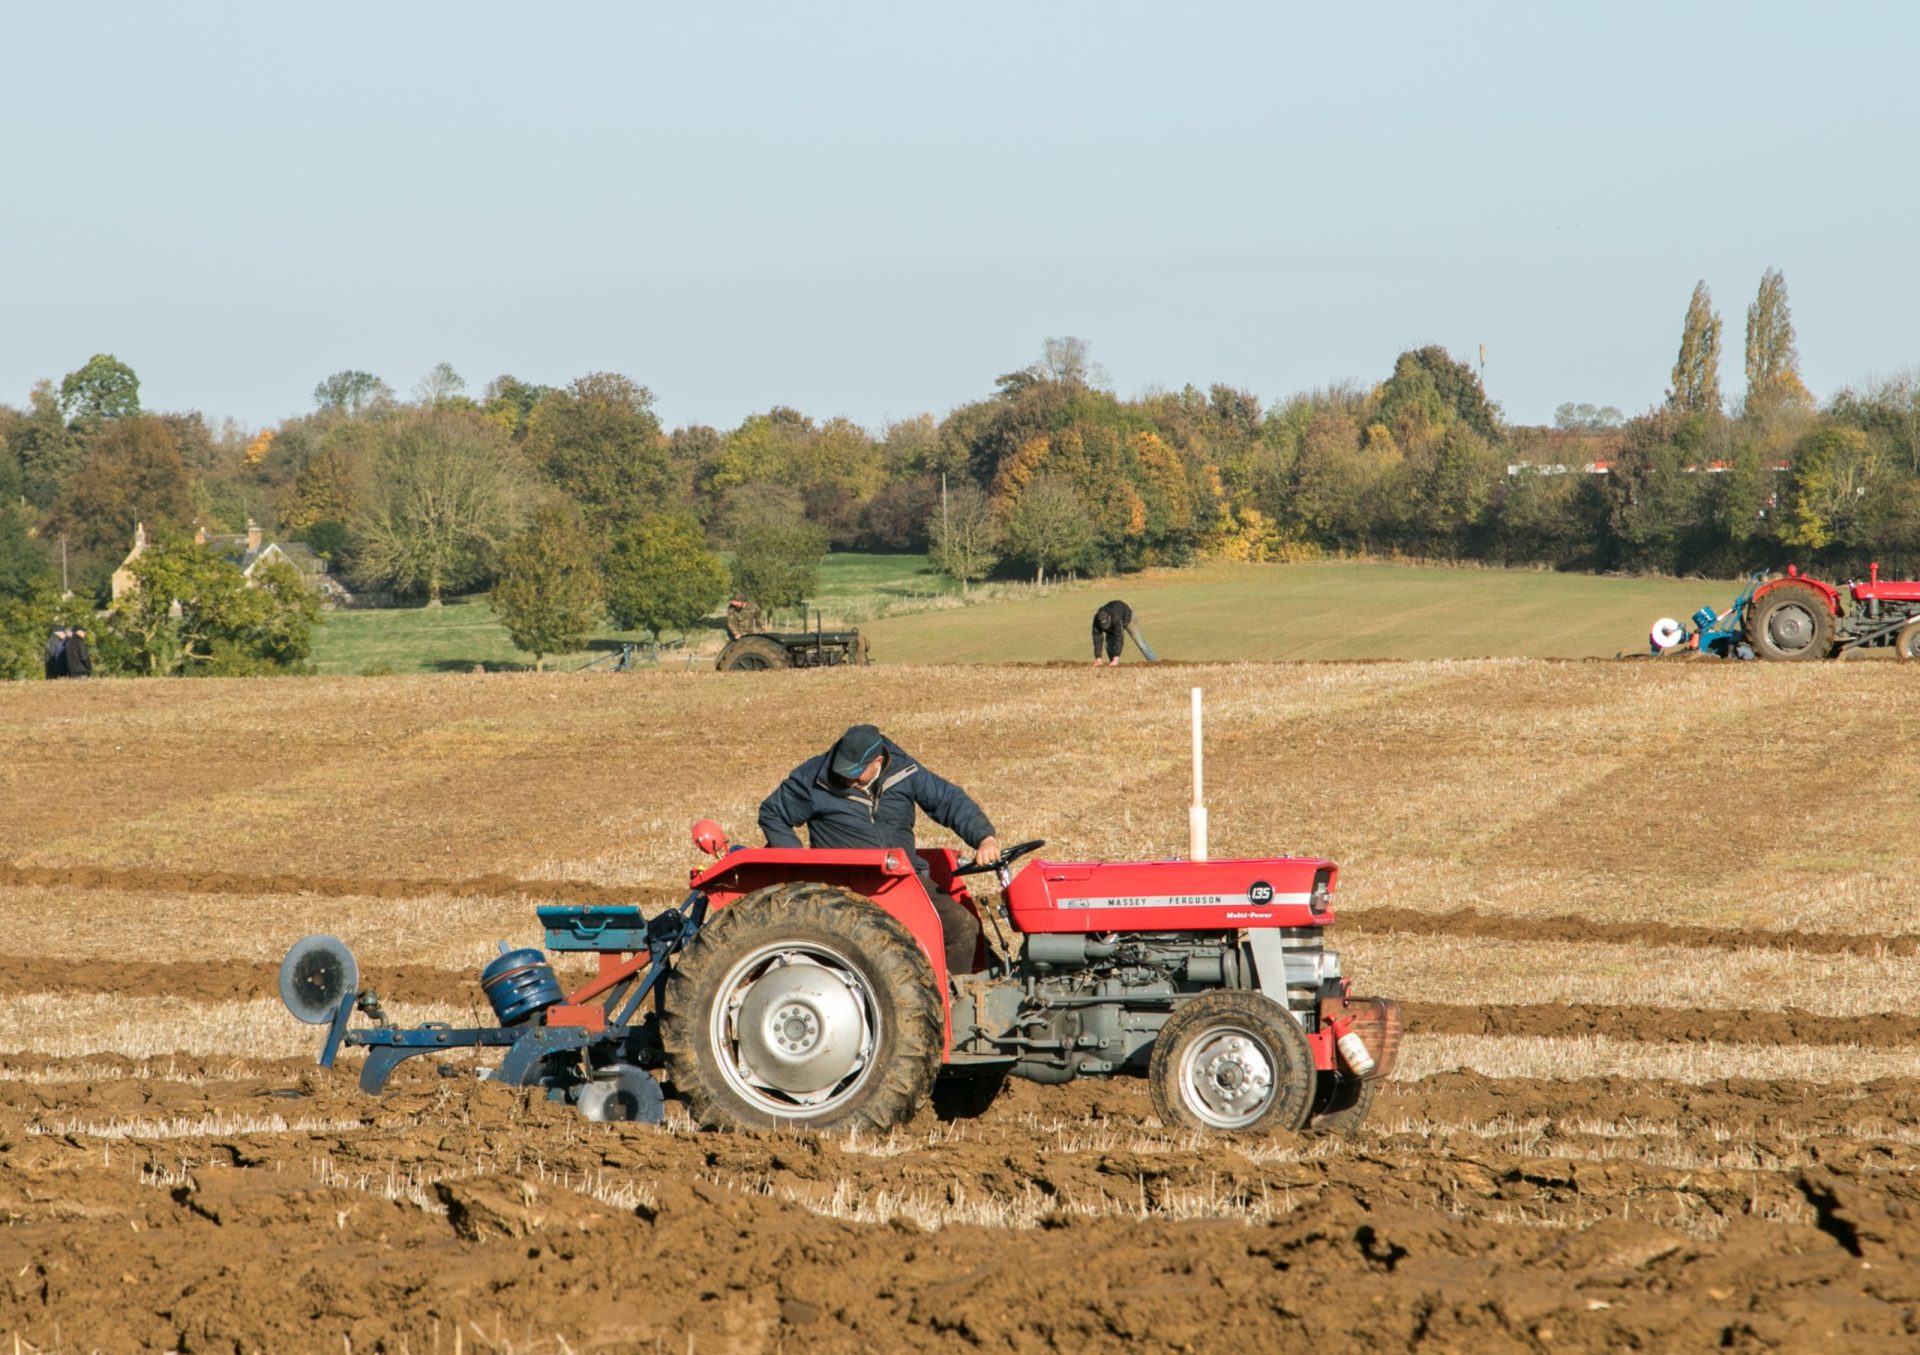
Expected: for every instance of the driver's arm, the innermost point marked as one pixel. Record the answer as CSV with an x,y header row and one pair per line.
x,y
953,809
791,803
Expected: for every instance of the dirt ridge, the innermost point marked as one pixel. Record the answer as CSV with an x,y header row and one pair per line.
x,y
1471,922
137,879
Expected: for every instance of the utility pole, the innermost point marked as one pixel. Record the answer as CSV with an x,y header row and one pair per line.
x,y
65,592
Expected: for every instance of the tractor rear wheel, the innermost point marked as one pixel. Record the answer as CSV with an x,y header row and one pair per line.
x,y
1906,641
801,1006
1792,621
1340,1104
751,654
1231,1060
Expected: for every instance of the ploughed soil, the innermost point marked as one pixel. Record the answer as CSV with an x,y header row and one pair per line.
x,y
229,1206
227,1201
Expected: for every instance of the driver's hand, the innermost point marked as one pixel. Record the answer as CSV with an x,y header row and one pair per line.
x,y
987,852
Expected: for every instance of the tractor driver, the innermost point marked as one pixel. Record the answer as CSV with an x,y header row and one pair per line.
x,y
861,793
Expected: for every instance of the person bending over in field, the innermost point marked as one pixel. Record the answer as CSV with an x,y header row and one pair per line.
x,y
862,792
1110,625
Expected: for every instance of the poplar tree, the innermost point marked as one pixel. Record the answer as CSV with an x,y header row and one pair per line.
x,y
1773,363
1696,372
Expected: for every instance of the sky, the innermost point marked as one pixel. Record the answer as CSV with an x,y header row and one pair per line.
x,y
873,210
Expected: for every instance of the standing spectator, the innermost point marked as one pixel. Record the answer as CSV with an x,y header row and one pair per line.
x,y
78,662
56,650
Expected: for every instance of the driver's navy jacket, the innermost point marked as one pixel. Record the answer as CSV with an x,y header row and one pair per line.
x,y
877,816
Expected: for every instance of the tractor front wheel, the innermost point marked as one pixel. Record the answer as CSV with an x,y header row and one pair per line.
x,y
1340,1104
801,1006
1906,641
1232,1060
1792,621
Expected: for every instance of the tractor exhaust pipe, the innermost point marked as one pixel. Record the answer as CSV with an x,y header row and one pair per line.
x,y
1197,815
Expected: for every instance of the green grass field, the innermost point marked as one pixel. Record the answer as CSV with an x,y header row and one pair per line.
x,y
1211,613
453,638
1313,611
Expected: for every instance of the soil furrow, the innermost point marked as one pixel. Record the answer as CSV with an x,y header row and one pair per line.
x,y
1470,922
140,879
1663,1025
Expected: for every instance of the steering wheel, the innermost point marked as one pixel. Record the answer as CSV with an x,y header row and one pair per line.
x,y
1008,855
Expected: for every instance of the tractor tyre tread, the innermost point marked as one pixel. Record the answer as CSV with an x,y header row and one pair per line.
x,y
912,1028
1906,641
1294,1079
1341,1105
1815,605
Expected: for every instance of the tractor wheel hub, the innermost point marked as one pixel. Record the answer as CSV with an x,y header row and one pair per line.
x,y
1229,1078
801,1027
1792,628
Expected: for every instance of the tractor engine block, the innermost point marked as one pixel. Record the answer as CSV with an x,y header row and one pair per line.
x,y
1080,1004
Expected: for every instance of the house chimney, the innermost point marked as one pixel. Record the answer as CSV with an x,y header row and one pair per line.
x,y
139,537
253,535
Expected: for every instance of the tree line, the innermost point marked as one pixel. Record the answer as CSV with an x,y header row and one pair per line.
x,y
575,505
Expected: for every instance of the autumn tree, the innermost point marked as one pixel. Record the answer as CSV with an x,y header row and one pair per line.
x,y
660,576
441,385
352,393
548,593
1064,360
105,388
965,535
1048,526
327,490
1834,469
47,451
1428,389
444,494
775,563
1586,418
510,402
133,473
598,442
1773,362
1696,372
25,564
1887,407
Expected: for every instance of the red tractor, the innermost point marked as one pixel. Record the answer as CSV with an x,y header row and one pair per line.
x,y
807,988
1800,617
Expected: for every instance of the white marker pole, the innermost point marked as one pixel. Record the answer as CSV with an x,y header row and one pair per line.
x,y
1197,815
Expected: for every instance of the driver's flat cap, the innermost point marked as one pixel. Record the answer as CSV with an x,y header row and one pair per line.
x,y
856,748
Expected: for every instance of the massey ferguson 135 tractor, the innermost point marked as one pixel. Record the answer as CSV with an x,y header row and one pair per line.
x,y
1796,616
807,988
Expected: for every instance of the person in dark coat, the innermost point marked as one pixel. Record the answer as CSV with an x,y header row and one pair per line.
x,y
56,647
1110,630
75,657
862,792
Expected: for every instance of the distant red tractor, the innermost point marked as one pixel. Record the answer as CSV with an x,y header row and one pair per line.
x,y
1794,616
807,988
1800,617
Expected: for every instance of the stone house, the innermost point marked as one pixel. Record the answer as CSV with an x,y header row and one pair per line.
x,y
248,550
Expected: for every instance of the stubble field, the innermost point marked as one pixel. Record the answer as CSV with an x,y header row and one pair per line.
x,y
1662,1089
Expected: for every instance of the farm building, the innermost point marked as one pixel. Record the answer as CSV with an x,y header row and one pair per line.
x,y
247,550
